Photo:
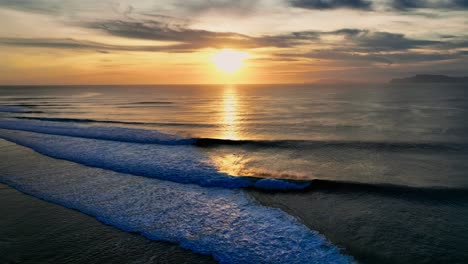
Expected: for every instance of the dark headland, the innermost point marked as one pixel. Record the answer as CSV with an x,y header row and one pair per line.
x,y
427,78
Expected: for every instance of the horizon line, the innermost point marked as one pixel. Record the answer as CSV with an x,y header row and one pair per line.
x,y
186,84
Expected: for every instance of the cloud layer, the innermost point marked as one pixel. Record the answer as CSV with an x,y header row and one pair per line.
x,y
392,36
332,4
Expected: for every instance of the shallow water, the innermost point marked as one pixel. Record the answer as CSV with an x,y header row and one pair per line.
x,y
34,231
385,165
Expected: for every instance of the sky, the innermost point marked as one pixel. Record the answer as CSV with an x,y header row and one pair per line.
x,y
174,41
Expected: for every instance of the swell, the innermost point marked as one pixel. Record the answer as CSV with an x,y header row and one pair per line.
x,y
170,162
12,109
367,145
71,127
414,193
8,98
153,103
43,104
88,120
120,134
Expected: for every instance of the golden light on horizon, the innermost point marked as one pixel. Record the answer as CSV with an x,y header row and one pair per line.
x,y
229,61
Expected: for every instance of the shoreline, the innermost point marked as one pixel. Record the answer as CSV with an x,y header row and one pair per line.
x,y
38,231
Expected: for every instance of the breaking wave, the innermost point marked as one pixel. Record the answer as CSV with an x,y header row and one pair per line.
x,y
172,162
224,223
75,127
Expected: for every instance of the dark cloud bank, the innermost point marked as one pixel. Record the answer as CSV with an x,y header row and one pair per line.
x,y
355,44
247,6
401,5
331,4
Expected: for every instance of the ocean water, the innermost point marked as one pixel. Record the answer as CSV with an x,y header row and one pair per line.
x,y
376,172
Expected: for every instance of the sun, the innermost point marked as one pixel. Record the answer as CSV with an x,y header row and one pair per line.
x,y
228,60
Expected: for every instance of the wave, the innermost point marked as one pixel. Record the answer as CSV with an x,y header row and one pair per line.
x,y
14,98
21,105
12,109
140,106
153,103
224,223
368,145
43,104
443,194
105,133
50,125
171,162
87,120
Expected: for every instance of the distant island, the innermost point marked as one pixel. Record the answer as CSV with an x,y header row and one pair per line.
x,y
427,78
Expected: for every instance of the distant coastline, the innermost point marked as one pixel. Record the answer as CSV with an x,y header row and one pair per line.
x,y
428,78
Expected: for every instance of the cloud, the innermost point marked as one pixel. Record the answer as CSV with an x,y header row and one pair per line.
x,y
332,4
347,45
358,39
406,5
358,46
362,40
401,5
187,39
355,58
126,8
39,6
197,39
240,7
368,41
73,44
155,30
72,8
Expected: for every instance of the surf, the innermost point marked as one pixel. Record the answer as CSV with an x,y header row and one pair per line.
x,y
224,223
171,162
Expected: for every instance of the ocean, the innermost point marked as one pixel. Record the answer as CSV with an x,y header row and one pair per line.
x,y
251,173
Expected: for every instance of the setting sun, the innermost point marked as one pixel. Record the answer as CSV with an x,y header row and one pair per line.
x,y
229,61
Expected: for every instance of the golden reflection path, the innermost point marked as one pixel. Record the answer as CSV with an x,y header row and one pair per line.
x,y
230,163
230,114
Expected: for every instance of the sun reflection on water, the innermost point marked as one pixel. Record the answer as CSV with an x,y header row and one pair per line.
x,y
230,115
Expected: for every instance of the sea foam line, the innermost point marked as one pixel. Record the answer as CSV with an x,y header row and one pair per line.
x,y
224,223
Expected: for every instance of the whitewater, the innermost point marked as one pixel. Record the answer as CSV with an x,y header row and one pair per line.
x,y
181,198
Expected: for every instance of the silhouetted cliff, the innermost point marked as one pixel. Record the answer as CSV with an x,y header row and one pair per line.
x,y
427,78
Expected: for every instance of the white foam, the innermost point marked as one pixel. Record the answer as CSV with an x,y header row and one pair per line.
x,y
177,163
225,223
